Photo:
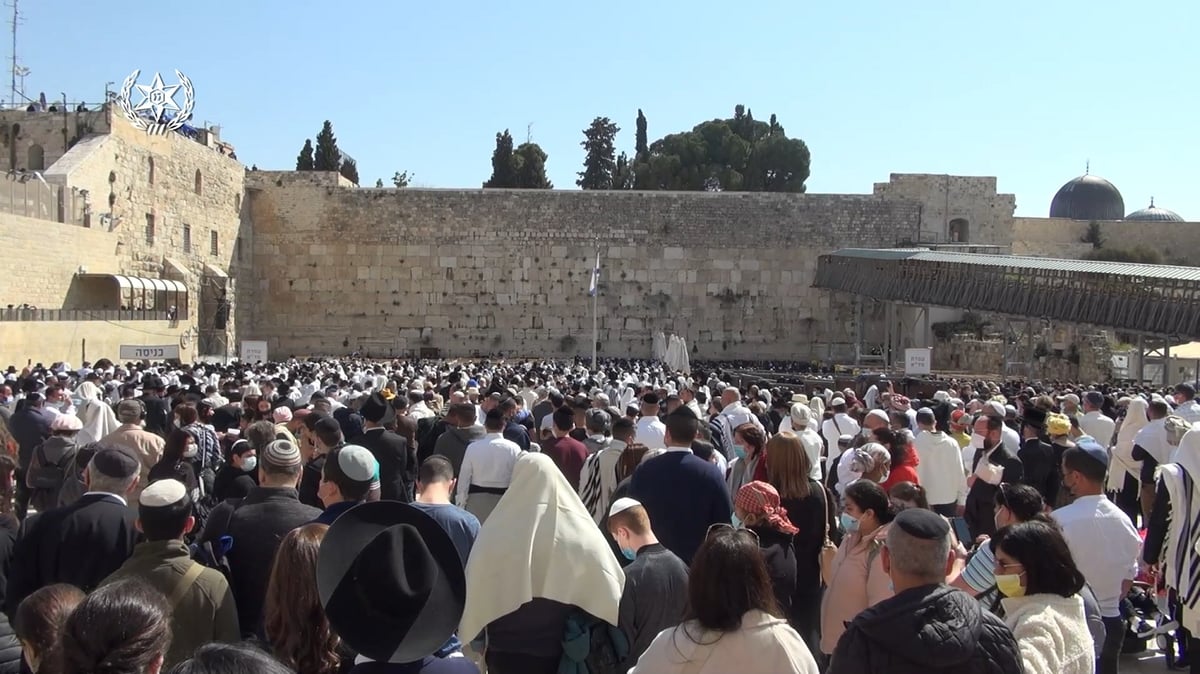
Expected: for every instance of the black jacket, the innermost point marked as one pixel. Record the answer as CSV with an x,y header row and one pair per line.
x,y
29,426
1038,469
780,558
80,544
391,451
926,630
158,413
812,517
980,515
258,524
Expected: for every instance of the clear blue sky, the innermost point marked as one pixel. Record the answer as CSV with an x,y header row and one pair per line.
x,y
1026,90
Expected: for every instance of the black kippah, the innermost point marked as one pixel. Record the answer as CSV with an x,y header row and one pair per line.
x,y
924,524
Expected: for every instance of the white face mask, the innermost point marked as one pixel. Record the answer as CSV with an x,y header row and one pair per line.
x,y
249,464
977,441
189,452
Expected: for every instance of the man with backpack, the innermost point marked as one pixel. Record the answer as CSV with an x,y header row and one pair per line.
x,y
202,606
51,463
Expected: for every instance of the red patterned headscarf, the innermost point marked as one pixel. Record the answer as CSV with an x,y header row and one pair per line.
x,y
760,498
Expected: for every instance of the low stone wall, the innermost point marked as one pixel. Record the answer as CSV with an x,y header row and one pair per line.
x,y
75,341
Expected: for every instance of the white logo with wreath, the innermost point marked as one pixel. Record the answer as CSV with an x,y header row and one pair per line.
x,y
157,112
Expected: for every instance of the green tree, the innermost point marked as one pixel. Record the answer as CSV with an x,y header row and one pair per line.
x,y
305,161
736,154
349,170
530,166
328,157
623,178
379,183
599,161
1092,235
641,146
1137,254
504,170
402,179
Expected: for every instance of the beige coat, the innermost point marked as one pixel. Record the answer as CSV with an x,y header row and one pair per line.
x,y
763,645
854,587
146,445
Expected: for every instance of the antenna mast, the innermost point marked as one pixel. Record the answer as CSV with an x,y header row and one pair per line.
x,y
17,70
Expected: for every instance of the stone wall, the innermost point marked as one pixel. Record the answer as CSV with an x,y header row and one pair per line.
x,y
35,140
392,271
983,216
44,258
1060,237
75,341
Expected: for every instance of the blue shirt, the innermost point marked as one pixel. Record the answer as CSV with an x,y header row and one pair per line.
x,y
683,495
462,526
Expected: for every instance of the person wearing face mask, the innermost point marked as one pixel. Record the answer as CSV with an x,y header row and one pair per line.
x,y
857,578
655,591
177,463
991,465
749,449
1042,604
238,475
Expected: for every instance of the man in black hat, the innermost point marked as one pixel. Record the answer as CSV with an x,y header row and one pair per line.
x,y
1038,466
390,449
158,411
926,626
84,542
393,587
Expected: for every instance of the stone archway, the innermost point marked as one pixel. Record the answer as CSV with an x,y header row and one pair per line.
x,y
959,231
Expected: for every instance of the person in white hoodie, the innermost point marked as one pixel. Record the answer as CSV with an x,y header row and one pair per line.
x,y
940,470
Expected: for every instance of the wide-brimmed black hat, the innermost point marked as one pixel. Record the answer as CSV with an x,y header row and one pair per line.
x,y
391,581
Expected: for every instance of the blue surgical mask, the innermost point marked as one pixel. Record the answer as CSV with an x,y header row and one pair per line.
x,y
739,451
737,521
250,463
629,553
849,523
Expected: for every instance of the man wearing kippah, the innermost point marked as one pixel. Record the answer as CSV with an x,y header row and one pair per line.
x,y
346,480
255,526
202,608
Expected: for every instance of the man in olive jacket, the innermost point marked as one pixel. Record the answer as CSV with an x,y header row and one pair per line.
x,y
927,627
202,604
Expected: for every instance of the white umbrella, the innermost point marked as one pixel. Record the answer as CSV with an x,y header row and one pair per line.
x,y
685,360
660,346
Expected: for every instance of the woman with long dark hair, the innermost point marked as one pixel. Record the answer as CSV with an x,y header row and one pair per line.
x,y
750,449
218,658
732,623
177,462
1040,583
296,626
120,628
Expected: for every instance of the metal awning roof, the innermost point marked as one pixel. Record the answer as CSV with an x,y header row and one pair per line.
x,y
138,283
1158,271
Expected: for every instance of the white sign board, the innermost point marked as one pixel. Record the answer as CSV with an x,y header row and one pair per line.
x,y
918,361
135,352
254,352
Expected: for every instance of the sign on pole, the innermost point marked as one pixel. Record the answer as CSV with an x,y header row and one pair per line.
x,y
918,361
254,352
137,352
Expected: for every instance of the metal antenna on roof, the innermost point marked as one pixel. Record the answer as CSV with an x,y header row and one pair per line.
x,y
1151,202
1087,167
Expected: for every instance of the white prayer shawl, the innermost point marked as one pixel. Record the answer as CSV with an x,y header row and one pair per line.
x,y
1181,560
96,415
1122,453
1153,439
540,541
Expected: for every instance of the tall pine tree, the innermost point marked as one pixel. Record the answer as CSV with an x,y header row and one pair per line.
x,y
504,169
641,147
599,162
305,161
530,161
328,157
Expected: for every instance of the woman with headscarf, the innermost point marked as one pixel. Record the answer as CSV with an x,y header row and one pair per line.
x,y
756,507
1124,472
1058,428
97,416
539,560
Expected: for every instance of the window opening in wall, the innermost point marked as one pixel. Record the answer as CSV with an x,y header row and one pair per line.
x,y
214,243
237,249
149,228
150,164
37,158
187,238
959,230
199,182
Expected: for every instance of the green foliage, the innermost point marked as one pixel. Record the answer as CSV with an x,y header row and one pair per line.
x,y
403,179
1138,254
599,162
737,154
379,183
305,161
530,163
641,146
327,156
623,178
1093,236
504,170
971,324
349,170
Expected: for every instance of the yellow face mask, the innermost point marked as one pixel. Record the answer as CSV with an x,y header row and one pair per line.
x,y
1009,585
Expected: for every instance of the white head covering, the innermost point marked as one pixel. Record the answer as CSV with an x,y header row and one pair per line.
x,y
540,541
1123,462
96,416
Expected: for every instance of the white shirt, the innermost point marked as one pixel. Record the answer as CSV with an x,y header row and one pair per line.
x,y
650,432
1189,410
420,411
812,447
940,468
1100,427
487,462
1010,439
832,431
1105,547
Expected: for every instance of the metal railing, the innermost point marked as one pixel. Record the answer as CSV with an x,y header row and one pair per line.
x,y
17,314
30,197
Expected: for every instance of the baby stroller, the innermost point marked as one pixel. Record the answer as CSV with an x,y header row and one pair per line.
x,y
1147,616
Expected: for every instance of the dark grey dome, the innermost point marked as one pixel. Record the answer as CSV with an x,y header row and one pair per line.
x,y
1153,213
1088,197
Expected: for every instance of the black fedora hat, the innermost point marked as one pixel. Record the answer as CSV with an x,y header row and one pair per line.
x,y
391,581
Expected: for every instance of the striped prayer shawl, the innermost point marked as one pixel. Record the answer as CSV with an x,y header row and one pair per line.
x,y
1182,563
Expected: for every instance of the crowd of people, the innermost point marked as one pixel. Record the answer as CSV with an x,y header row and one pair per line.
x,y
344,515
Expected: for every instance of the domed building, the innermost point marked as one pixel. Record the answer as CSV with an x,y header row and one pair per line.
x,y
1088,197
1153,213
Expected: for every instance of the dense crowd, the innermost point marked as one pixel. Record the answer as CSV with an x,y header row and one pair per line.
x,y
332,516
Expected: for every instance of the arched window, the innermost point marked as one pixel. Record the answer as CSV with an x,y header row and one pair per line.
x,y
150,165
959,230
37,158
199,182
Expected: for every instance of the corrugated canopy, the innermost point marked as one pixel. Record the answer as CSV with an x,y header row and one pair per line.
x,y
138,283
1139,298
